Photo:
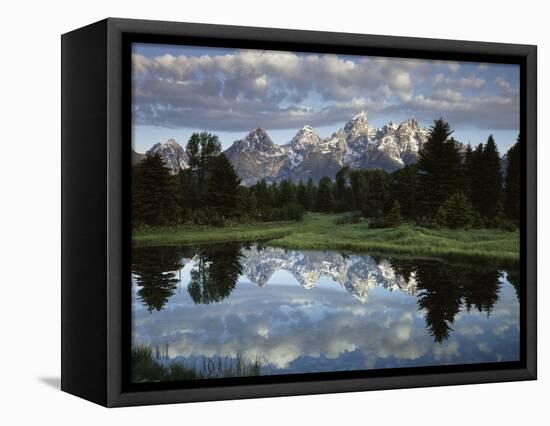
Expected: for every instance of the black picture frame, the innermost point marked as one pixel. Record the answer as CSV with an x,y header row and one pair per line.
x,y
95,210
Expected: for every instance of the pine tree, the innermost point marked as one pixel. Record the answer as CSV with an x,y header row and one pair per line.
x,y
359,189
490,201
475,177
343,194
512,182
287,193
378,184
455,213
393,217
325,200
153,193
311,195
301,195
468,169
440,167
223,186
263,196
248,204
404,188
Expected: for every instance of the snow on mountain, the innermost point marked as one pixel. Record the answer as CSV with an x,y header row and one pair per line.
x,y
305,140
172,153
256,157
357,145
356,274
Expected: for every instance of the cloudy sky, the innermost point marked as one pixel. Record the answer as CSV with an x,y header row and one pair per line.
x,y
323,329
181,89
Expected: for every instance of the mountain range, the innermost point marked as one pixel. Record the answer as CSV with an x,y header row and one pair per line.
x,y
357,274
357,145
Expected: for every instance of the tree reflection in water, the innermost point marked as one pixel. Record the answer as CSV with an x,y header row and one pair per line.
x,y
443,288
215,273
155,270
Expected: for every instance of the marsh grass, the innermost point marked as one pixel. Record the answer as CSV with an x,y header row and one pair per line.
x,y
186,235
146,369
327,232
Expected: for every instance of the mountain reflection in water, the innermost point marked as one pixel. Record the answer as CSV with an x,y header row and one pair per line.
x,y
310,311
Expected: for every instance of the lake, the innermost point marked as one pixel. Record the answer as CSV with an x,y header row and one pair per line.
x,y
296,311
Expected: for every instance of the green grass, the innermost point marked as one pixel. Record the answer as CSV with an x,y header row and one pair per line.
x,y
320,232
186,235
146,369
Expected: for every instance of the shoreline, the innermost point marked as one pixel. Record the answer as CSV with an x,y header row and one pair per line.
x,y
319,232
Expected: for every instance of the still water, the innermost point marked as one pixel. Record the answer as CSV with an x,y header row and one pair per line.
x,y
314,311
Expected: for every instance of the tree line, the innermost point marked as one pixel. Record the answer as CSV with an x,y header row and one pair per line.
x,y
450,185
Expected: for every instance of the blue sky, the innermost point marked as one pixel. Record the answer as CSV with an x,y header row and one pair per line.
x,y
178,90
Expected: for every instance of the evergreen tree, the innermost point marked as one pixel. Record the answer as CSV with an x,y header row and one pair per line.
x,y
223,186
490,201
301,195
188,193
475,177
512,182
311,195
287,193
325,200
377,193
359,189
468,170
439,163
248,204
404,188
263,195
153,193
393,217
343,194
455,213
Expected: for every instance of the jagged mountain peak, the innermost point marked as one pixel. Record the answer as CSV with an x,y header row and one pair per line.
x,y
257,139
305,136
172,153
411,123
357,127
357,145
357,274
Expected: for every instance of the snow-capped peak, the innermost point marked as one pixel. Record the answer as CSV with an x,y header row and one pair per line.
x,y
304,137
173,155
173,143
306,155
256,141
358,125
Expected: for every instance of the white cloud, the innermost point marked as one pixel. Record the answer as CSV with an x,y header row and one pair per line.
x,y
244,89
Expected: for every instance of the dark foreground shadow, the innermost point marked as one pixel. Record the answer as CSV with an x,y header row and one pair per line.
x,y
54,382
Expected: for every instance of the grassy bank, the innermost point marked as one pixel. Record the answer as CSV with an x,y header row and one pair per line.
x,y
146,369
319,232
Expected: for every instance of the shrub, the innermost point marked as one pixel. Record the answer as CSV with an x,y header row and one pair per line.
x,y
392,219
456,212
291,211
349,218
208,217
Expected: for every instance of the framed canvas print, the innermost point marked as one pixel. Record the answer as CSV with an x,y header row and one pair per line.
x,y
253,212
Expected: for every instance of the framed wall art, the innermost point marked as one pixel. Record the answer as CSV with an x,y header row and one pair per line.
x,y
254,212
